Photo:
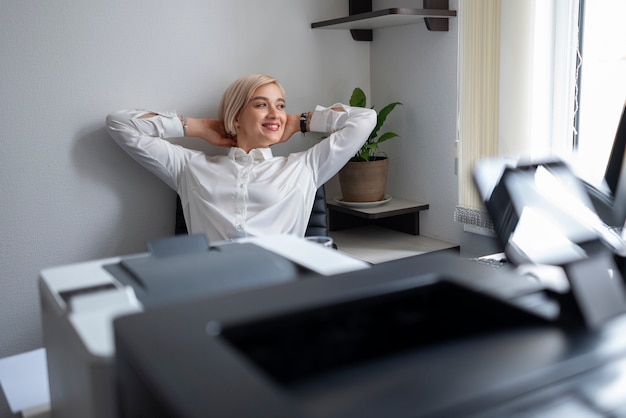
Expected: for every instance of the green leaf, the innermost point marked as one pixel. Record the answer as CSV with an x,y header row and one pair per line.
x,y
387,110
370,148
388,135
358,98
382,117
367,151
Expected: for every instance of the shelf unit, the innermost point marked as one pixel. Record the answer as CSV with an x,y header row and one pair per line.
x,y
398,214
362,20
382,233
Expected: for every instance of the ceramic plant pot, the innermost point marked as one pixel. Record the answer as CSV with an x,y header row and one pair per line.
x,y
364,181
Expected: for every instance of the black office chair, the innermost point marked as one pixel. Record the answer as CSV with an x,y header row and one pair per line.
x,y
180,228
318,221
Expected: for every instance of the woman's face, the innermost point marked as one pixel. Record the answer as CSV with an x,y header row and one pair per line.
x,y
262,120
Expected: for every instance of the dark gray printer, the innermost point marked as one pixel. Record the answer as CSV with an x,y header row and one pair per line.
x,y
427,336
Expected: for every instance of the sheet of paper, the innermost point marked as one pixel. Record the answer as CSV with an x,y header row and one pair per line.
x,y
24,379
315,257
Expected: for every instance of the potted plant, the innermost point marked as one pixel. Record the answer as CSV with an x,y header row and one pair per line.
x,y
364,177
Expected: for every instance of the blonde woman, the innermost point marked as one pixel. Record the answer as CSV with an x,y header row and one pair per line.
x,y
249,191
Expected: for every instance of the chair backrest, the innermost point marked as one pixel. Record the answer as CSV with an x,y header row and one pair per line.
x,y
318,221
180,228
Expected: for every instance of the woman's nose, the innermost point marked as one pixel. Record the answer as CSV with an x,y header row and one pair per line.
x,y
273,111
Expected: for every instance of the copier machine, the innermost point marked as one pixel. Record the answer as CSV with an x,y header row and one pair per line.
x,y
427,336
80,301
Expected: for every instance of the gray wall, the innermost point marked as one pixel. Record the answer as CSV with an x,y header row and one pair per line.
x,y
419,68
69,194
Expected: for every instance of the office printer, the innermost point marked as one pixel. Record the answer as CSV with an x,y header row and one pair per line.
x,y
427,336
79,301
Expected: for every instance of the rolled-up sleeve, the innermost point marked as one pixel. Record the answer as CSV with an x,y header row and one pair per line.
x,y
348,132
143,140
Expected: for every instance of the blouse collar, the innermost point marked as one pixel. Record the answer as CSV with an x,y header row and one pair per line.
x,y
256,154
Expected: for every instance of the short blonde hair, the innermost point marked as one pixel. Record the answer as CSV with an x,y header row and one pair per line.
x,y
238,94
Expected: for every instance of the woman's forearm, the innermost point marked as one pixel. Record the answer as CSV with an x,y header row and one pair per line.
x,y
211,130
198,127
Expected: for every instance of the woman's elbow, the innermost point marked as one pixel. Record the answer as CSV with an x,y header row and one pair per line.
x,y
371,117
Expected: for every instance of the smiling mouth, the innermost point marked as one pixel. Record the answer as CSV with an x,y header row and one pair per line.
x,y
272,126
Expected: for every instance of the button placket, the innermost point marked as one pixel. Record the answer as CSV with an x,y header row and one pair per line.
x,y
241,201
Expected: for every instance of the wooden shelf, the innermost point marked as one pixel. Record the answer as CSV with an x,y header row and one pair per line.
x,y
383,18
362,20
398,214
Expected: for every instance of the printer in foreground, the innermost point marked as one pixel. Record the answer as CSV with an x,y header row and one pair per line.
x,y
427,336
80,301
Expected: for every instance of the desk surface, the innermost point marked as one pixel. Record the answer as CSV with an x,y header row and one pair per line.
x,y
375,244
24,379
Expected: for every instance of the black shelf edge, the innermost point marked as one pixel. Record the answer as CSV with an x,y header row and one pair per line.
x,y
387,14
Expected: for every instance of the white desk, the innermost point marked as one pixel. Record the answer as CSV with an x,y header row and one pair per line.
x,y
381,233
24,380
376,244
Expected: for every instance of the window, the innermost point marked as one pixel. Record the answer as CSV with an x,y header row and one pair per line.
x,y
602,84
517,86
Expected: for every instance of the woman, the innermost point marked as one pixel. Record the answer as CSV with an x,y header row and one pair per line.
x,y
248,192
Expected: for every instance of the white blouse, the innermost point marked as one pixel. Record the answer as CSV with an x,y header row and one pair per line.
x,y
243,194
